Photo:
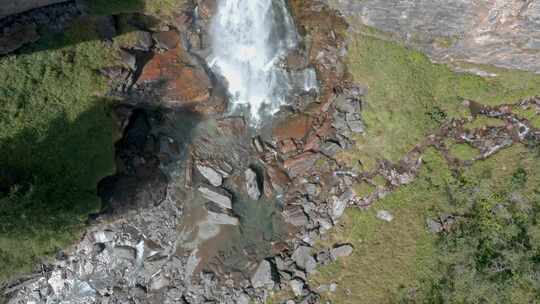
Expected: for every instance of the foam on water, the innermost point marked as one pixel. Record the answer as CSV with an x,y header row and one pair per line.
x,y
249,39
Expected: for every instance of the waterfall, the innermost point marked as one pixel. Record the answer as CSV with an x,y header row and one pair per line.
x,y
249,40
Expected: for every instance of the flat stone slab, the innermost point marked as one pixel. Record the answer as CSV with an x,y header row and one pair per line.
x,y
217,195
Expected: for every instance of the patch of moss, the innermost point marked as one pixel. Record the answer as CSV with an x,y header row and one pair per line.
x,y
463,151
483,121
363,189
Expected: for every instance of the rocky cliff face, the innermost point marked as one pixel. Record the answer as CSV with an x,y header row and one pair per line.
x,y
10,7
504,33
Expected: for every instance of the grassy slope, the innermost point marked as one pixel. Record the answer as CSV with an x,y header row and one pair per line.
x,y
56,137
391,258
409,96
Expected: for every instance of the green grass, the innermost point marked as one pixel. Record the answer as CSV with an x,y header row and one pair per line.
x,y
56,139
387,256
463,151
409,96
391,259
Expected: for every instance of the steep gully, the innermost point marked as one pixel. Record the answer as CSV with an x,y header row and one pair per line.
x,y
202,208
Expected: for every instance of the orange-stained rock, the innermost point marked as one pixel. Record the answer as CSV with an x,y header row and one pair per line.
x,y
301,163
277,178
294,127
177,82
312,142
287,146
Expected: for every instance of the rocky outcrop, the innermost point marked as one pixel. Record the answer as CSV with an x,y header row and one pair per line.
x,y
22,21
503,33
9,7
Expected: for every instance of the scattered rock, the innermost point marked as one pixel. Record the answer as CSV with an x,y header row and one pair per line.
x,y
330,149
303,259
297,287
217,195
339,204
385,215
301,164
341,251
295,216
434,226
214,177
263,276
128,59
252,184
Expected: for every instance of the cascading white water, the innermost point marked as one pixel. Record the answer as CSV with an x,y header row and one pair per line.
x,y
249,38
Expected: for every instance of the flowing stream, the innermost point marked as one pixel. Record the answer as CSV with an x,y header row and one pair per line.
x,y
249,39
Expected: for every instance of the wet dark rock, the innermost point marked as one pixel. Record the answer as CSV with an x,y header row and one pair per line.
x,y
17,37
338,204
139,182
128,59
106,27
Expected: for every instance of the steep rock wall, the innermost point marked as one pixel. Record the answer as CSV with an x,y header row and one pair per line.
x,y
10,7
504,33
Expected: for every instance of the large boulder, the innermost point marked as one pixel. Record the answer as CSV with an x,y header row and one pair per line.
x,y
181,80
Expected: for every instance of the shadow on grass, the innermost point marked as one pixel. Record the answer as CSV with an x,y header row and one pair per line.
x,y
52,185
